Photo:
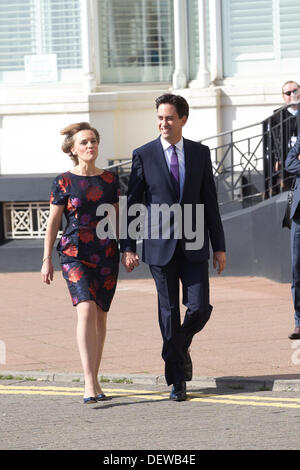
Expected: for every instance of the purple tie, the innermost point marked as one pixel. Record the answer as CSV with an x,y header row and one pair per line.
x,y
174,170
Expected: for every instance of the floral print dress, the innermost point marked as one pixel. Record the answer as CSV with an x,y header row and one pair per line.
x,y
89,264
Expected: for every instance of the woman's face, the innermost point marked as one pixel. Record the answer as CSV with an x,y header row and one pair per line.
x,y
85,146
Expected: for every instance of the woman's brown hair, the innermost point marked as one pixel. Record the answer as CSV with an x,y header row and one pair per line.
x,y
69,133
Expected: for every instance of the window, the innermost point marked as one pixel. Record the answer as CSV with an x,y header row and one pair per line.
x,y
290,28
261,37
136,40
33,27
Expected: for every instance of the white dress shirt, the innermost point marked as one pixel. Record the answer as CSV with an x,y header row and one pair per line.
x,y
181,161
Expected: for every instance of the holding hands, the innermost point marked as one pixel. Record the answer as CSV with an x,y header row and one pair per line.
x,y
130,260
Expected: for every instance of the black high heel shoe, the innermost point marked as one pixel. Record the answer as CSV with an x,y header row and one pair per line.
x,y
89,400
101,396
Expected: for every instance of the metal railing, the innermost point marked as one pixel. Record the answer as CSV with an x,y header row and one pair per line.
x,y
123,170
25,220
237,161
249,162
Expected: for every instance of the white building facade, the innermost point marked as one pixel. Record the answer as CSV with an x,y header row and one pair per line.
x,y
105,61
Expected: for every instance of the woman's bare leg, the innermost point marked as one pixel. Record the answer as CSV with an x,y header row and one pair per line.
x,y
87,343
101,335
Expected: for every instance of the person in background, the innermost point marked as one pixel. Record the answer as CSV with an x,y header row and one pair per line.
x,y
290,96
292,165
282,126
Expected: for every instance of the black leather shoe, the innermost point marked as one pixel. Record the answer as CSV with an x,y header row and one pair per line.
x,y
178,392
295,334
188,367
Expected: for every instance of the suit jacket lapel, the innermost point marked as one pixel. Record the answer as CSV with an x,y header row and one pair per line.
x,y
188,165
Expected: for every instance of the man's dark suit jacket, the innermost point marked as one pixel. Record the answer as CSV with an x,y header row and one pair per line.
x,y
280,144
292,165
150,176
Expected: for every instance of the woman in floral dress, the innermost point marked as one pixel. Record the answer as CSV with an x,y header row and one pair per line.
x,y
89,263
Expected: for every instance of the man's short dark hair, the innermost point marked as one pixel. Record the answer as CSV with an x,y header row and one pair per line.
x,y
181,105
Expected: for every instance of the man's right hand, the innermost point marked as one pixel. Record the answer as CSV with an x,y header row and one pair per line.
x,y
130,260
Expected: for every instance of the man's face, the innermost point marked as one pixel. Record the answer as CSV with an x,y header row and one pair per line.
x,y
294,95
169,123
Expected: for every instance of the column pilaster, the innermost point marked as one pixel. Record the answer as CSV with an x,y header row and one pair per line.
x,y
89,79
180,37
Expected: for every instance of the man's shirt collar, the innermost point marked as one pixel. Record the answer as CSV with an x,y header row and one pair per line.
x,y
166,144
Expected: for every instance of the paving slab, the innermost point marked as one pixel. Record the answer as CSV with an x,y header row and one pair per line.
x,y
246,337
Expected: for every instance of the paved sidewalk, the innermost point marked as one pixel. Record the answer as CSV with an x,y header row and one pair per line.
x,y
246,337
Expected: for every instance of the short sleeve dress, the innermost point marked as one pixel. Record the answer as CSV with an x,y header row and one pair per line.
x,y
89,264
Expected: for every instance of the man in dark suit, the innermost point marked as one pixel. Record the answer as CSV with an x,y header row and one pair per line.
x,y
282,127
292,165
175,172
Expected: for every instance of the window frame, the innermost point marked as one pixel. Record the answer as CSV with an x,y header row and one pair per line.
x,y
99,64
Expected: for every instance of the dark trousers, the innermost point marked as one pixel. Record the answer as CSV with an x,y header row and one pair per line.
x,y
178,336
295,254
